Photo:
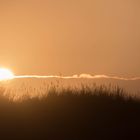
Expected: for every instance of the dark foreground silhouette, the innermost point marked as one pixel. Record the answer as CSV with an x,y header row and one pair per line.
x,y
71,115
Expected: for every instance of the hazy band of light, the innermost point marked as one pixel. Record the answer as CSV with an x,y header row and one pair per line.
x,y
88,76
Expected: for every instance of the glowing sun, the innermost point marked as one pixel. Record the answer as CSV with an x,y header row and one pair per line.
x,y
6,74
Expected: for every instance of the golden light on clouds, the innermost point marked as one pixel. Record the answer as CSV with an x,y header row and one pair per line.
x,y
6,74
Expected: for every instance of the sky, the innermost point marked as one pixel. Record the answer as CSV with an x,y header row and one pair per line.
x,y
51,37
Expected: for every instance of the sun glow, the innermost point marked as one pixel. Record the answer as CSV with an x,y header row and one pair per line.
x,y
6,74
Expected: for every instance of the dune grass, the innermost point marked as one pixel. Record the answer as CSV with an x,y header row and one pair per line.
x,y
71,114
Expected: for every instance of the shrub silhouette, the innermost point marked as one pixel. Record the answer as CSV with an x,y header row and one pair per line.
x,y
71,114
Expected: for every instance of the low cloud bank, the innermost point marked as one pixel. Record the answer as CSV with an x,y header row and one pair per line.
x,y
88,76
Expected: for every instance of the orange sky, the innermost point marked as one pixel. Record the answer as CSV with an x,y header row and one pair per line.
x,y
70,36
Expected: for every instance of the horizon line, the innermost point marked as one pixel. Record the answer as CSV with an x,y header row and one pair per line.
x,y
81,76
